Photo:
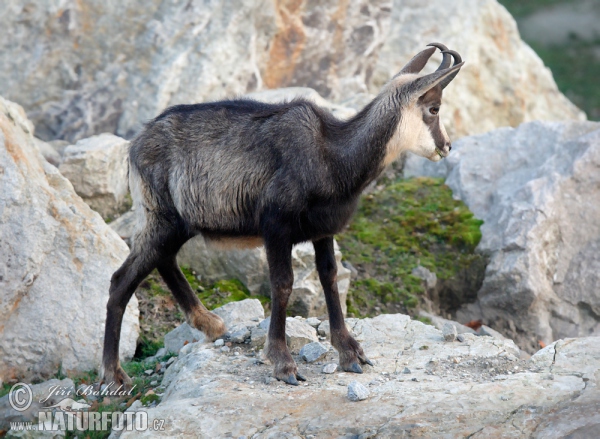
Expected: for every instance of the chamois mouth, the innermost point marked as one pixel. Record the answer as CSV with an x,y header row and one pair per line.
x,y
440,152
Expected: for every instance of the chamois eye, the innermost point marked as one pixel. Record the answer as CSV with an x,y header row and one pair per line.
x,y
434,110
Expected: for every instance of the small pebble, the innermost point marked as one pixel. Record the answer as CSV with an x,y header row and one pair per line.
x,y
329,368
225,349
219,342
149,372
154,383
357,392
449,332
460,338
406,370
312,351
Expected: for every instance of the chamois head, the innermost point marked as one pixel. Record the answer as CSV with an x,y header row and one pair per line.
x,y
420,129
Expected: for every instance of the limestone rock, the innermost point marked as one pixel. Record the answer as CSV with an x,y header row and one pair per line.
x,y
357,392
329,368
444,399
311,352
449,332
112,77
535,188
97,168
181,336
56,260
245,312
125,226
51,155
503,81
298,334
307,298
239,333
258,337
439,323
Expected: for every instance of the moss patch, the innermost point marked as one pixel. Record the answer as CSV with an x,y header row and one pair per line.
x,y
409,223
159,312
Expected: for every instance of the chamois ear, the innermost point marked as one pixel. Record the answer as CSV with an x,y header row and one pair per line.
x,y
416,64
417,88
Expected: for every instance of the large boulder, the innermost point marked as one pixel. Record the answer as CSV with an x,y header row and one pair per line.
x,y
503,82
537,189
100,66
97,169
420,387
56,260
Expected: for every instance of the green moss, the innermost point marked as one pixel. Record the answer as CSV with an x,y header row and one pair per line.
x,y
221,292
149,399
425,320
409,223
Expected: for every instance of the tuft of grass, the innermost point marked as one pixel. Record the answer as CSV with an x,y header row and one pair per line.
x,y
411,222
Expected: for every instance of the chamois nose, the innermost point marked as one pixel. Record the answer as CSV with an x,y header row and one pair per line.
x,y
449,145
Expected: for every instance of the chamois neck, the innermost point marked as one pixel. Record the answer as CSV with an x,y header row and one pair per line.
x,y
363,147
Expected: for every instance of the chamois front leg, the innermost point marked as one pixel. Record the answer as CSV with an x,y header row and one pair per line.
x,y
279,256
349,349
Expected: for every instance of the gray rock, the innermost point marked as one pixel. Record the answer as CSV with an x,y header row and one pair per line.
x,y
406,370
258,337
218,343
449,332
429,277
329,368
125,225
314,322
357,392
182,335
53,246
51,155
567,403
298,334
97,168
264,324
460,338
79,88
439,323
239,333
312,352
532,186
486,330
244,312
307,298
161,353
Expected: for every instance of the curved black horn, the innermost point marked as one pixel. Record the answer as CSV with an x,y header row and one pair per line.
x,y
455,55
446,56
457,60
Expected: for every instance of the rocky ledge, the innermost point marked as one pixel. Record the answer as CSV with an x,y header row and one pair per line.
x,y
420,386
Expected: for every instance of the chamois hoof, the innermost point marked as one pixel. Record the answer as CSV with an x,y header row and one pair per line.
x,y
116,378
292,379
354,368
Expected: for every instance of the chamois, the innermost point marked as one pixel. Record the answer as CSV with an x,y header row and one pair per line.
x,y
250,173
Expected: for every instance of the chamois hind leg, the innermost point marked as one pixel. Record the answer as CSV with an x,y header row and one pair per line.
x,y
279,257
197,315
349,349
140,262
